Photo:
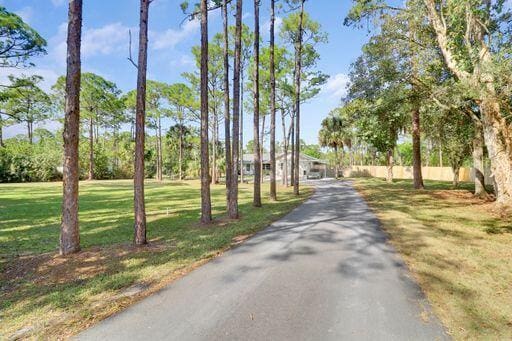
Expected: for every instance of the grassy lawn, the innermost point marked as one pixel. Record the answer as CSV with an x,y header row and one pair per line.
x,y
457,247
45,296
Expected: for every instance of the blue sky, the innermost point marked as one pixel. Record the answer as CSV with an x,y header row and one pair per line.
x,y
105,45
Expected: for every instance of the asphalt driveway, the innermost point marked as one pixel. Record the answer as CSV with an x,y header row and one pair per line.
x,y
323,272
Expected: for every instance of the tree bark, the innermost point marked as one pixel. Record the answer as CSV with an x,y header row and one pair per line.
x,y
140,118
336,170
256,121
292,145
262,145
478,161
159,173
227,113
30,132
497,132
440,155
180,153
400,160
273,190
242,125
91,149
298,68
285,150
215,173
235,147
456,172
69,228
499,147
390,164
1,133
416,150
206,206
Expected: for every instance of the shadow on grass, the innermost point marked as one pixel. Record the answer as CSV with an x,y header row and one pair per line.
x,y
448,237
41,281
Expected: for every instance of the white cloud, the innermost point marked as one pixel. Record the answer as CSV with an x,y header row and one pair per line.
x,y
265,28
105,40
171,37
26,13
336,86
57,3
49,75
184,60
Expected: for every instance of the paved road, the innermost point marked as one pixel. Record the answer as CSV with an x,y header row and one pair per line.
x,y
324,272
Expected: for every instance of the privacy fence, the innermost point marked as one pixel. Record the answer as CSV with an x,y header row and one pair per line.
x,y
399,172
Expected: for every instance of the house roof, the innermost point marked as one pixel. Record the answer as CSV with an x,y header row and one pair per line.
x,y
249,158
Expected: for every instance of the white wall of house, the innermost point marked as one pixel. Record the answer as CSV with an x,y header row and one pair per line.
x,y
306,165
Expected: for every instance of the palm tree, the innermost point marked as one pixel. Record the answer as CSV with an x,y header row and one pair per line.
x,y
332,135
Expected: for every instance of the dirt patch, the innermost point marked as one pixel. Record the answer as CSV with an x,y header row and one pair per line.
x,y
240,239
486,204
51,268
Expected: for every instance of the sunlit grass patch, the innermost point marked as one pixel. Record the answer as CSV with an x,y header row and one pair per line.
x,y
46,296
457,248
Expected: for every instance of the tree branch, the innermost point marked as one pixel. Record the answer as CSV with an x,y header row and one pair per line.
x,y
130,50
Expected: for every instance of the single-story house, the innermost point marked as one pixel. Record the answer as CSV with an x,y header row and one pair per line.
x,y
308,165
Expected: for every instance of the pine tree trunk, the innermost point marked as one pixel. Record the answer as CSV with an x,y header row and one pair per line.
x,y
227,114
91,149
140,118
416,150
292,148
262,146
298,72
390,164
69,228
478,161
180,156
273,191
206,207
159,173
235,147
1,134
242,125
256,103
285,149
215,176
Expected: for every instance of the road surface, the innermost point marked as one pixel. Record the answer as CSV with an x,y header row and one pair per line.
x,y
323,272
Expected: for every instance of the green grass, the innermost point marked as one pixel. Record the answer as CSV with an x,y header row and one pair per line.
x,y
44,296
457,247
